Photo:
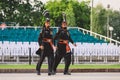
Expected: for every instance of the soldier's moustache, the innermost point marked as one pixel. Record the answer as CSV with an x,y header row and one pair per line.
x,y
65,28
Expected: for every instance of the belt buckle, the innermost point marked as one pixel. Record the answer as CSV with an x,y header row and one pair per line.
x,y
49,40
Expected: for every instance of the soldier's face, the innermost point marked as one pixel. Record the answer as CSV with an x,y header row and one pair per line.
x,y
64,24
47,24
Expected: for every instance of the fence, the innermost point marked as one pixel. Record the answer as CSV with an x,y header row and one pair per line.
x,y
107,39
24,52
97,53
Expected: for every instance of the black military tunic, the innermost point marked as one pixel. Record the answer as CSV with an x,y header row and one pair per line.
x,y
61,52
45,35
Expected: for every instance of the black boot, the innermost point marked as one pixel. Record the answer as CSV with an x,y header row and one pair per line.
x,y
49,74
38,72
67,73
53,72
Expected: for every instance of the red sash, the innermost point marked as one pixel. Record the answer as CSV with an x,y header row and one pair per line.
x,y
49,41
67,45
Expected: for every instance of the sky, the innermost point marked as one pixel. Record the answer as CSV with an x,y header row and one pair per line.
x,y
114,4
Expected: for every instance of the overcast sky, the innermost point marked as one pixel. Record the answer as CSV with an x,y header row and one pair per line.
x,y
114,4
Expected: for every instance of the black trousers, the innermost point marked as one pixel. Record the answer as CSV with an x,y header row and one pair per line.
x,y
61,53
47,52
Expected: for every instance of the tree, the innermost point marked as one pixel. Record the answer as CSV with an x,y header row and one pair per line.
x,y
1,19
24,14
8,10
100,15
22,11
99,20
70,15
56,8
82,14
115,23
78,14
37,17
28,14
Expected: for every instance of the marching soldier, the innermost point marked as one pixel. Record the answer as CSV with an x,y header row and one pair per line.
x,y
46,45
63,48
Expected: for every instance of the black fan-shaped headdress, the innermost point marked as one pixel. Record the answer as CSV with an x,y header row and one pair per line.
x,y
46,15
64,17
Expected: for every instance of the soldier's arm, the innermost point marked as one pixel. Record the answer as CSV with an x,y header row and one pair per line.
x,y
40,39
70,39
56,37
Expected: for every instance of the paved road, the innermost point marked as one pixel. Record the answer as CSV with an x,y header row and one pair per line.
x,y
60,76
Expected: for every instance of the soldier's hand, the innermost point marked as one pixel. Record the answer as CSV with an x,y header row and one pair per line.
x,y
42,47
54,48
75,45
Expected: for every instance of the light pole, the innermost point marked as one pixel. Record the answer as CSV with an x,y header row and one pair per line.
x,y
108,6
114,36
111,29
91,17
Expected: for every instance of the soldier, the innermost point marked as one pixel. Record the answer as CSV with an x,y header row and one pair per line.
x,y
46,45
63,49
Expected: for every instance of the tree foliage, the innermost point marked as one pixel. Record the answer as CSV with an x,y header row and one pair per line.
x,y
82,14
22,12
8,10
27,13
100,15
78,13
115,23
70,16
99,20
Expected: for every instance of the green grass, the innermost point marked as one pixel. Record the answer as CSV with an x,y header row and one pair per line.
x,y
61,66
96,66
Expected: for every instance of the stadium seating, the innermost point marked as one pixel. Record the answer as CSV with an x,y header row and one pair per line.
x,y
31,35
16,43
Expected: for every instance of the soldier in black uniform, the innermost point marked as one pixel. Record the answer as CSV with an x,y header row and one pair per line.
x,y
63,49
46,44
